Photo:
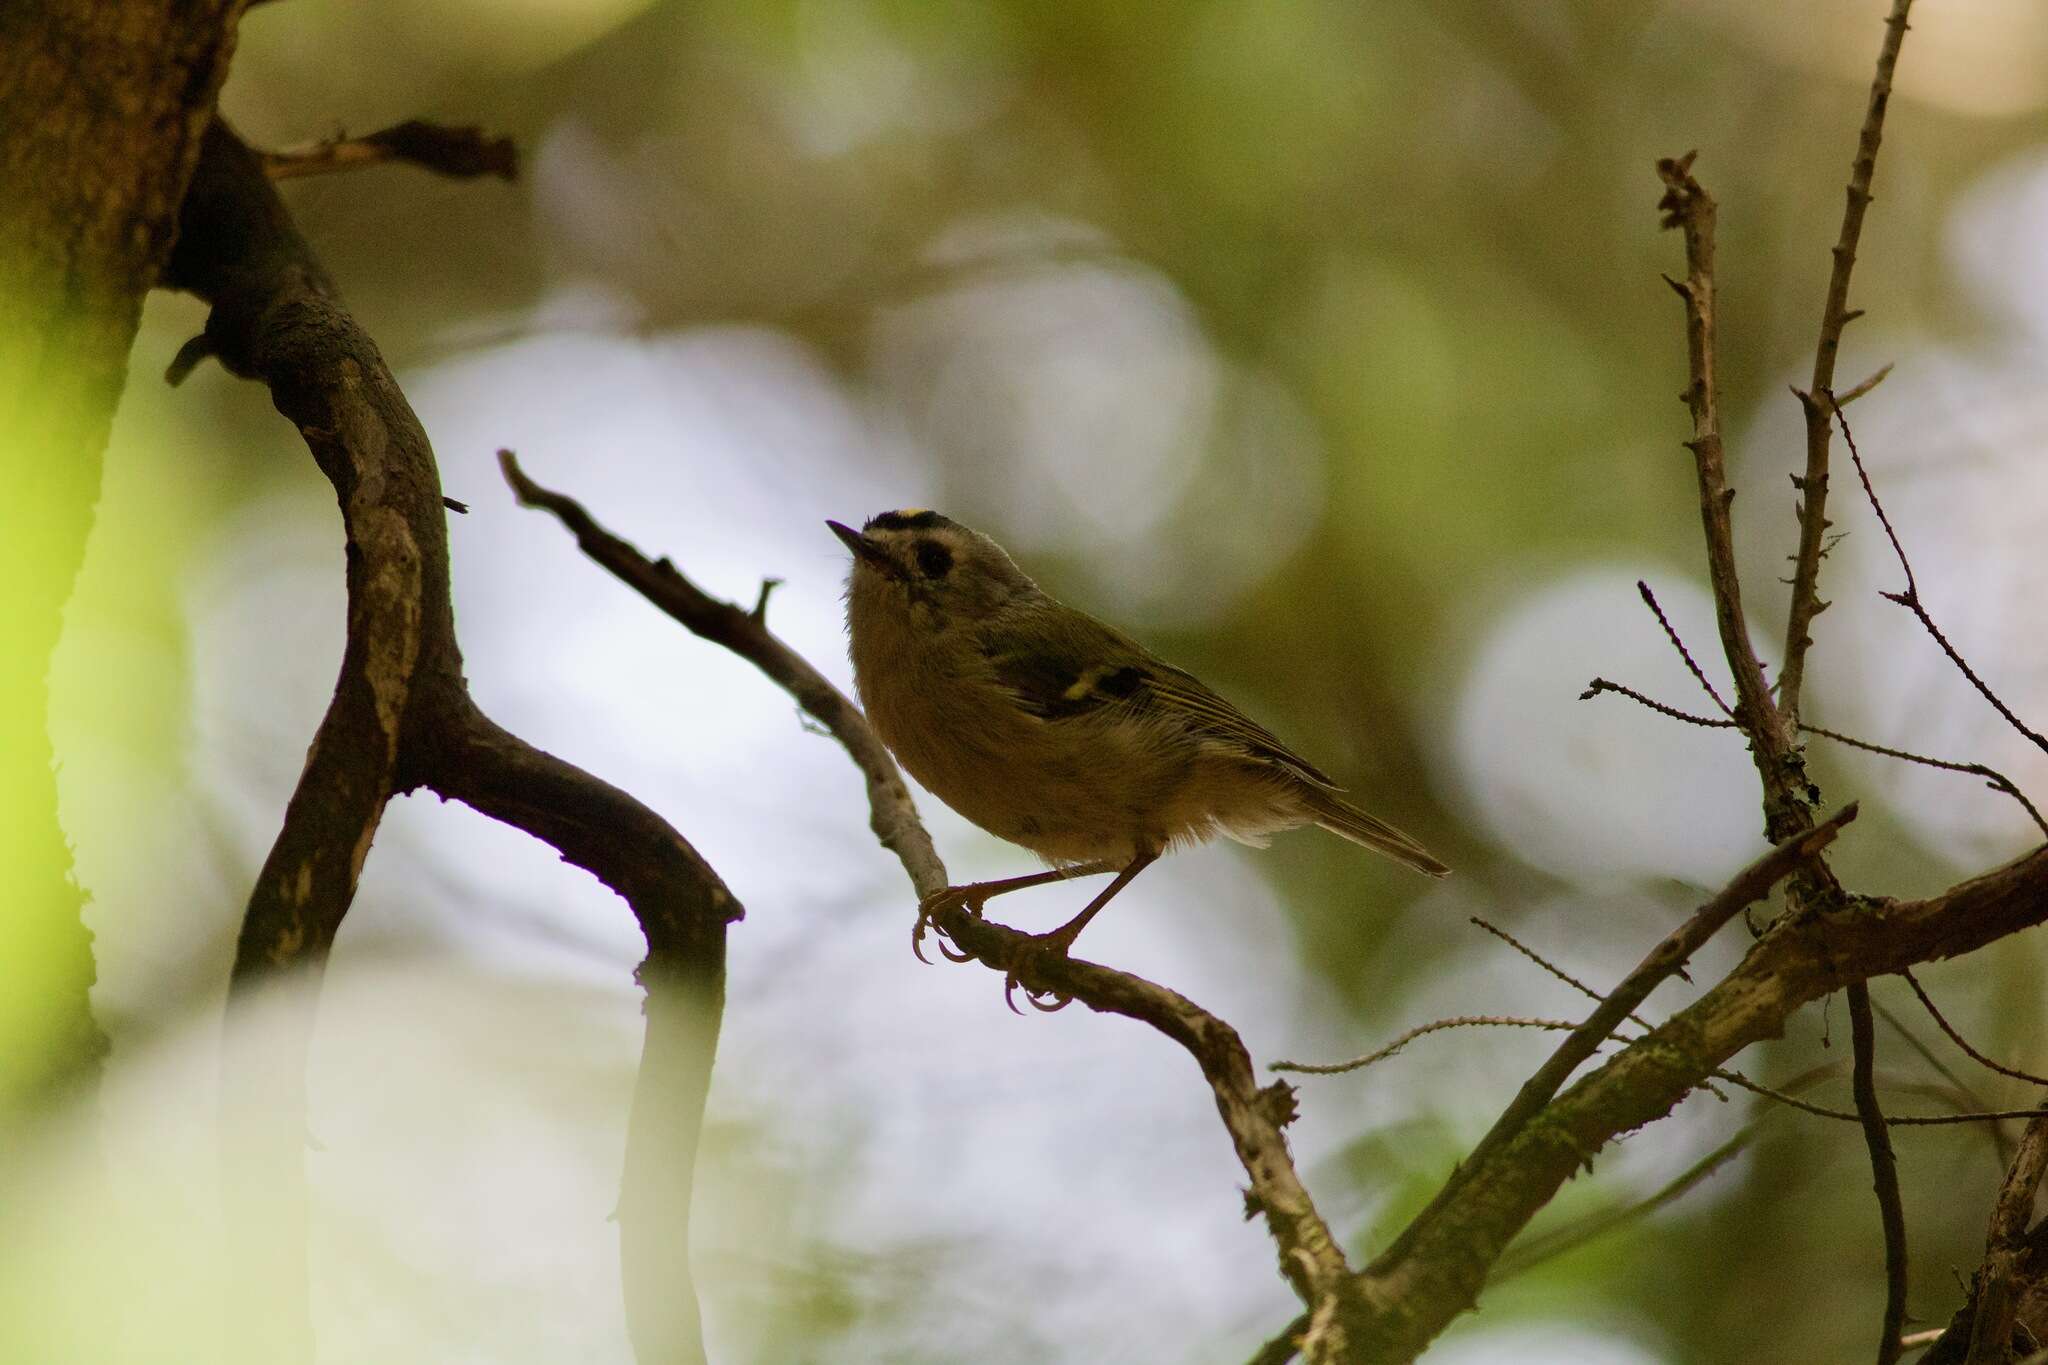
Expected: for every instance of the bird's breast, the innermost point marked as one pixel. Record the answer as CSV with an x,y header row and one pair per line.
x,y
1068,790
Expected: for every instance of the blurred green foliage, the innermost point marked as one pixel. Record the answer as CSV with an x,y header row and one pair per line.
x,y
1422,231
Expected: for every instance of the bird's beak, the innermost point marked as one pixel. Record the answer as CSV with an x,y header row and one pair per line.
x,y
862,547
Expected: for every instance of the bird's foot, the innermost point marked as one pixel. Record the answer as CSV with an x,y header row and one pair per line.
x,y
1028,960
969,898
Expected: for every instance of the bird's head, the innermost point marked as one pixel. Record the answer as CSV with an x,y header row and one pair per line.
x,y
916,568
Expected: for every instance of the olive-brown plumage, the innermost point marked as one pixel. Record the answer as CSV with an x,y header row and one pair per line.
x,y
1052,730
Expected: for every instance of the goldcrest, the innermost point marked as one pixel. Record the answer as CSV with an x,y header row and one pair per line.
x,y
1052,730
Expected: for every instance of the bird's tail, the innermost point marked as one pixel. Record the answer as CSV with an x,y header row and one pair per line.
x,y
1339,816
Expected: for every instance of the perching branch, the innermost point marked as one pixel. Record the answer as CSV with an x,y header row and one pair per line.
x,y
1817,401
1254,1116
893,815
402,718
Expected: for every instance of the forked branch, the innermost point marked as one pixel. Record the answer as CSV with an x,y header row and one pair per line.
x,y
402,718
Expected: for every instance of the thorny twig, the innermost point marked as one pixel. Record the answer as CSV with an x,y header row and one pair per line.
x,y
1671,634
1421,1031
1816,401
1788,796
1993,778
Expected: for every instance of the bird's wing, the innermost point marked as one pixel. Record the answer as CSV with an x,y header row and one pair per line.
x,y
1069,666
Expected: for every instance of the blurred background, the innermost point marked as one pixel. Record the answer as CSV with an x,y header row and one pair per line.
x,y
1322,346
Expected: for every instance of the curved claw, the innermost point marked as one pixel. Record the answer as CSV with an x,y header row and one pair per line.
x,y
1028,953
1059,1002
1033,997
952,897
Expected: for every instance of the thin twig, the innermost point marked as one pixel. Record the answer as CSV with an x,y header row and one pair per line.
x,y
1822,1111
1856,391
1423,1030
1954,1037
1285,1345
1671,634
1581,987
1817,400
1910,600
462,153
1599,685
1993,778
1547,965
1884,1169
1788,796
2001,1146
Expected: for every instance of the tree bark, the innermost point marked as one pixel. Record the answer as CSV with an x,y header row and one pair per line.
x,y
102,107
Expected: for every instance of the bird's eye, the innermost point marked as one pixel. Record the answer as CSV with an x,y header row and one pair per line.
x,y
933,559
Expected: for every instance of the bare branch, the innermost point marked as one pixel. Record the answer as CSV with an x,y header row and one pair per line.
x,y
1437,1266
1531,1252
1822,1111
1781,768
1422,1031
1993,778
893,815
462,153
1551,967
1599,685
1884,1170
1748,886
1858,390
1817,401
1671,634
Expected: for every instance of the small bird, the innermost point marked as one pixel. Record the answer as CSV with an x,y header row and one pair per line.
x,y
1052,730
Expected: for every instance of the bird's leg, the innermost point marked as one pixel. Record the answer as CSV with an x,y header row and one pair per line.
x,y
974,895
1059,941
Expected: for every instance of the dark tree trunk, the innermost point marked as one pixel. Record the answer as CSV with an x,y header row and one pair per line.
x,y
102,107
